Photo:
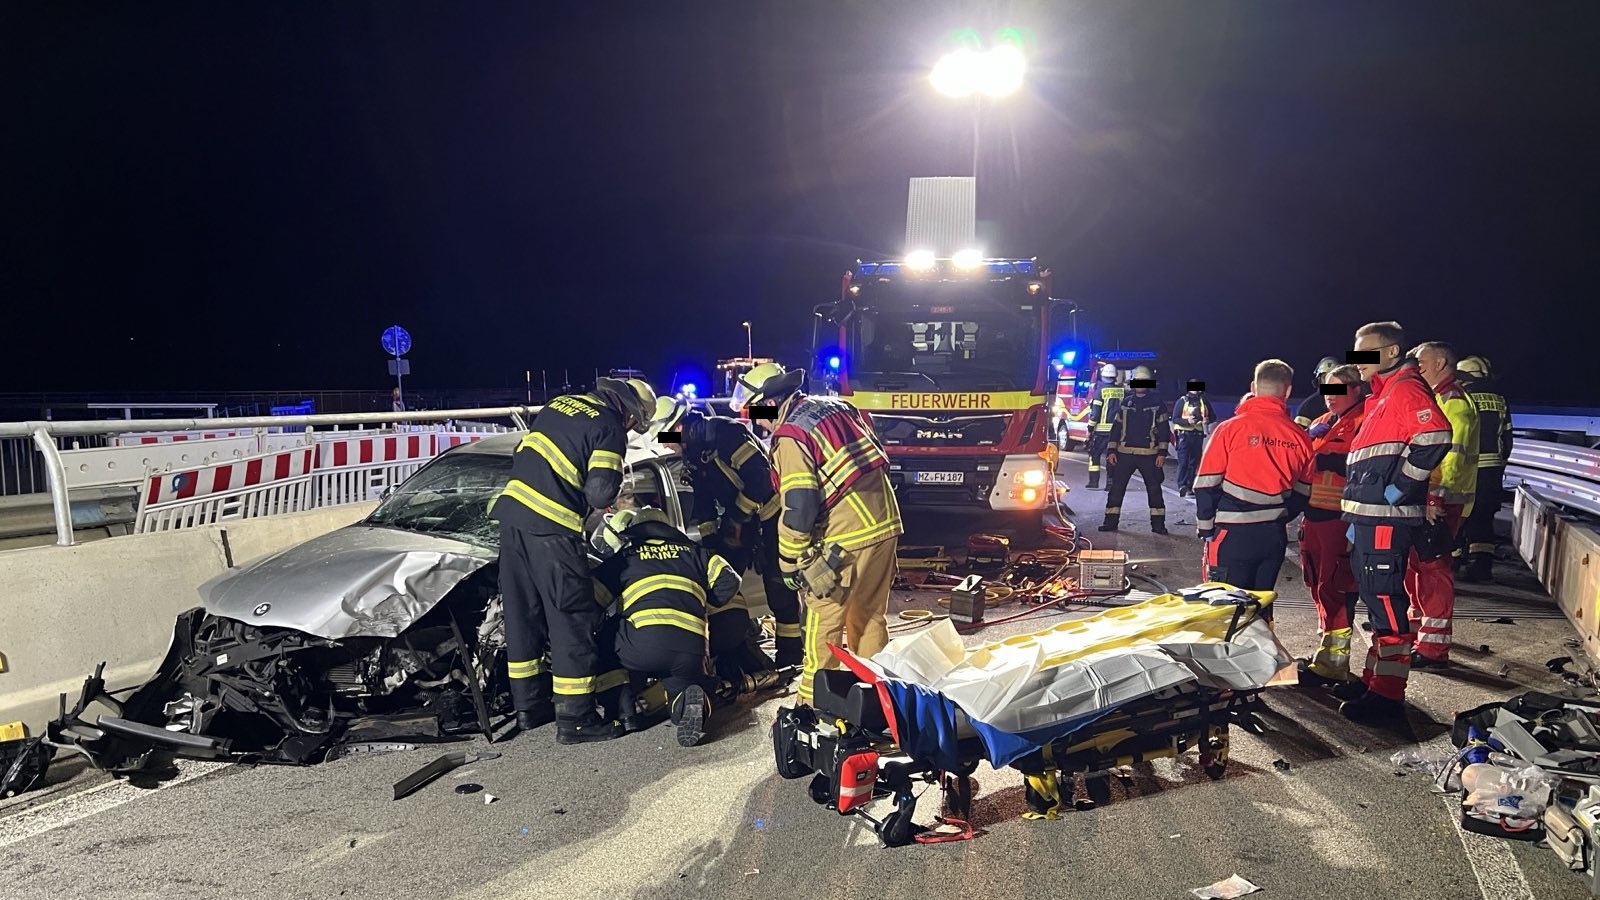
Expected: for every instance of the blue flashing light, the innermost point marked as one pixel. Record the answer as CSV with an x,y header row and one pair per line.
x,y
1069,357
690,390
834,362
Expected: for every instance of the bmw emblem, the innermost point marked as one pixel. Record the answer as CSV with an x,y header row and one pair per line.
x,y
262,609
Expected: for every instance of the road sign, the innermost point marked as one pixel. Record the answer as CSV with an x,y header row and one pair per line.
x,y
398,367
396,341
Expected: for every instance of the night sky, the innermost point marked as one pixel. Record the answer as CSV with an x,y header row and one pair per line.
x,y
231,196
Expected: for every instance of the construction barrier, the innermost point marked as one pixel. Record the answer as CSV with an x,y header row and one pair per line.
x,y
265,485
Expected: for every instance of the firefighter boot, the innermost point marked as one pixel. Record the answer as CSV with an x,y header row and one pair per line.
x,y
578,722
691,713
628,704
1158,525
1478,569
1374,709
1094,481
1110,524
540,710
790,650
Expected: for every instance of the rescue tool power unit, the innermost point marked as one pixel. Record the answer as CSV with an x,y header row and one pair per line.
x,y
947,357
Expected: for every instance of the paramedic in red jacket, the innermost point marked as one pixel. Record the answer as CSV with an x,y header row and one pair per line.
x,y
1324,551
1245,492
1403,438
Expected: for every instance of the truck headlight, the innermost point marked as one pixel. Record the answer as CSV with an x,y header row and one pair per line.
x,y
1031,478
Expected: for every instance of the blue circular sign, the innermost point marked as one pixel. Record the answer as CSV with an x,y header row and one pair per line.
x,y
396,341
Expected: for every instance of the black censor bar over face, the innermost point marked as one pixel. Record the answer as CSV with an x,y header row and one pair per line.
x,y
1197,386
1141,382
763,411
1362,357
1337,389
669,437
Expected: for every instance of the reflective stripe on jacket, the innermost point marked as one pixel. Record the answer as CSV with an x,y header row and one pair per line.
x,y
569,462
665,580
1455,482
1494,424
1403,438
1325,474
1142,427
1253,468
832,477
1105,403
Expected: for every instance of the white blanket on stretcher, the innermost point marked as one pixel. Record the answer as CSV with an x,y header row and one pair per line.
x,y
1008,688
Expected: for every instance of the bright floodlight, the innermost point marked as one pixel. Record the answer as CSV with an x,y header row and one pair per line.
x,y
1001,73
968,259
995,72
956,73
920,259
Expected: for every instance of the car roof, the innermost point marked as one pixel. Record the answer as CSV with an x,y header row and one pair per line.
x,y
640,448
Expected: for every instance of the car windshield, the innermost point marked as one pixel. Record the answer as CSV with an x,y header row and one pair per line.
x,y
962,343
450,496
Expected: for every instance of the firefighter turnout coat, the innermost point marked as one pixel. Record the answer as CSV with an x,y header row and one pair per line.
x,y
569,462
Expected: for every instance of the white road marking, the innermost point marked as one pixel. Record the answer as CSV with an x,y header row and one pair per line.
x,y
92,801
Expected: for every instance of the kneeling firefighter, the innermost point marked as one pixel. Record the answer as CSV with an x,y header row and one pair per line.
x,y
840,525
569,462
735,512
665,584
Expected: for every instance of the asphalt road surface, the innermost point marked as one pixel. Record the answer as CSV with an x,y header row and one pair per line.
x,y
1312,809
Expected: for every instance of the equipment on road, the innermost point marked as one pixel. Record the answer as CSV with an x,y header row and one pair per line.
x,y
925,710
414,782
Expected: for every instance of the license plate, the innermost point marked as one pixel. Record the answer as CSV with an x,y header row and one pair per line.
x,y
941,477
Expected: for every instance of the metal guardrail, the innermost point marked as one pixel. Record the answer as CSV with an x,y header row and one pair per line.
x,y
1563,474
45,436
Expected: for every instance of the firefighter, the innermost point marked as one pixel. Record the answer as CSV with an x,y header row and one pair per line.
x,y
1451,492
569,462
1313,407
840,525
1190,417
1402,439
666,585
1494,451
1246,491
1324,551
735,510
1138,443
1103,408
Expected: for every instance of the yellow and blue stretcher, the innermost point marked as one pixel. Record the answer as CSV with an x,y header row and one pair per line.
x,y
1147,681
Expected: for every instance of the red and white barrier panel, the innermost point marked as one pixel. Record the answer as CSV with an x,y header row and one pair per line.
x,y
444,440
217,478
373,450
170,437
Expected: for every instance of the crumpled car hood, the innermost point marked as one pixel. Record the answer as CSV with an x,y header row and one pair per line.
x,y
358,581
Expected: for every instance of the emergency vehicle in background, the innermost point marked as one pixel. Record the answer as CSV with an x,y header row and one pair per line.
x,y
948,358
1078,373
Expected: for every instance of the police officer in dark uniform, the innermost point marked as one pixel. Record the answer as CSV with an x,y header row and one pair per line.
x,y
736,511
569,462
1103,408
666,585
1138,443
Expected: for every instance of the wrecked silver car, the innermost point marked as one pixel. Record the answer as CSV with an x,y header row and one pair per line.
x,y
393,622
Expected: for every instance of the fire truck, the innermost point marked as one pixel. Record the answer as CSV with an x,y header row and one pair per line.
x,y
1075,387
948,359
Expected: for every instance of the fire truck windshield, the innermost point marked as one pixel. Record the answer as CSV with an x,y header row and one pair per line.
x,y
963,342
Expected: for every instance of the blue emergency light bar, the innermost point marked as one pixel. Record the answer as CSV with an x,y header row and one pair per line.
x,y
995,267
1111,355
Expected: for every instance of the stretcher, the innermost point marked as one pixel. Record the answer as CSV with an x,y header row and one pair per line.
x,y
1152,680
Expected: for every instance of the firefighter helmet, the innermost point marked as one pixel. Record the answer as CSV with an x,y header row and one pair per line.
x,y
609,538
1474,367
669,412
1325,365
1142,372
766,383
635,397
1108,372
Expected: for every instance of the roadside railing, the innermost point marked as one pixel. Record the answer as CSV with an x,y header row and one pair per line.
x,y
1561,473
250,466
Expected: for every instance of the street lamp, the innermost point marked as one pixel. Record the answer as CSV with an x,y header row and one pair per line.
x,y
749,343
